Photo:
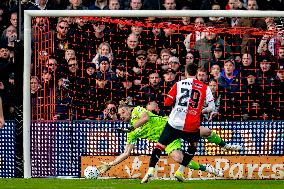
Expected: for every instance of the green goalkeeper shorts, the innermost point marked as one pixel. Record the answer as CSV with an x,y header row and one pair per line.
x,y
175,145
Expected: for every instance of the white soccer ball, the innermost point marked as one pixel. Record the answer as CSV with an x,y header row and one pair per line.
x,y
91,172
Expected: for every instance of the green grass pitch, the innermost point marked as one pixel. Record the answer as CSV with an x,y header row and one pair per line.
x,y
135,184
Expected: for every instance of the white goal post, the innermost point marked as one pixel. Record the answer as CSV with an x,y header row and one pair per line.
x,y
28,14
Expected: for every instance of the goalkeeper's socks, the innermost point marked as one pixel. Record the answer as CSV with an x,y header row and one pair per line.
x,y
181,169
194,165
202,167
214,138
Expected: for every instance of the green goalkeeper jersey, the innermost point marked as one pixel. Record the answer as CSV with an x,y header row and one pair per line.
x,y
151,130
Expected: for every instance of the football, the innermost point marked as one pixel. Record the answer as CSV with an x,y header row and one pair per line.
x,y
91,172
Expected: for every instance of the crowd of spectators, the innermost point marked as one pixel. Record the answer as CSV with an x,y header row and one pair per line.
x,y
82,67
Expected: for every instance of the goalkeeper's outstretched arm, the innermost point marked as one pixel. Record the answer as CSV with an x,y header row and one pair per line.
x,y
106,166
123,156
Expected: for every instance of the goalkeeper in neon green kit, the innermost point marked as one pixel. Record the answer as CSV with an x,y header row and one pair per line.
x,y
147,125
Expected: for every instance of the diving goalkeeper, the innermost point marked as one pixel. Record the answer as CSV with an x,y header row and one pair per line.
x,y
147,125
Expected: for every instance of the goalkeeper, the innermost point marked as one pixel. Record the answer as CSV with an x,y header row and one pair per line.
x,y
147,125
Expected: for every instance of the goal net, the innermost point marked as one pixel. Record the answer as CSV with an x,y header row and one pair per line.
x,y
78,61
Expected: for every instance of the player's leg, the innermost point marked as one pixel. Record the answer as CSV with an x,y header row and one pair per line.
x,y
168,135
174,151
212,137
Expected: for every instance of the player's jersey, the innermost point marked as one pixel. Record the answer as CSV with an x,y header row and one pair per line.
x,y
190,95
150,130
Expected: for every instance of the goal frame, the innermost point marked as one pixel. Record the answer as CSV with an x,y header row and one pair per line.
x,y
28,14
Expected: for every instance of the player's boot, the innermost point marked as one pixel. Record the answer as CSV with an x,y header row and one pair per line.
x,y
179,176
149,174
233,147
211,169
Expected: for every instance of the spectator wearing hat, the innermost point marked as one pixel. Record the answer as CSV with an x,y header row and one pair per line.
x,y
170,77
252,98
141,68
104,70
174,64
218,56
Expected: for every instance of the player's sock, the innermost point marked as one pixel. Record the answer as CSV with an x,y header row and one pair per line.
x,y
214,138
194,165
186,159
155,157
202,167
181,168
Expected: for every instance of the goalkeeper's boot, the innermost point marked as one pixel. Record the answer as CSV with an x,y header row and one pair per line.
x,y
212,170
149,174
232,147
179,176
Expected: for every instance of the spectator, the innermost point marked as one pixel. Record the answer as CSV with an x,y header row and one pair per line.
x,y
170,4
215,71
196,35
104,70
152,57
252,99
278,91
99,5
109,113
265,74
202,75
152,91
218,56
63,101
76,5
213,116
41,5
104,49
127,54
141,69
229,86
175,65
170,77
192,57
113,5
36,98
136,5
247,42
204,46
